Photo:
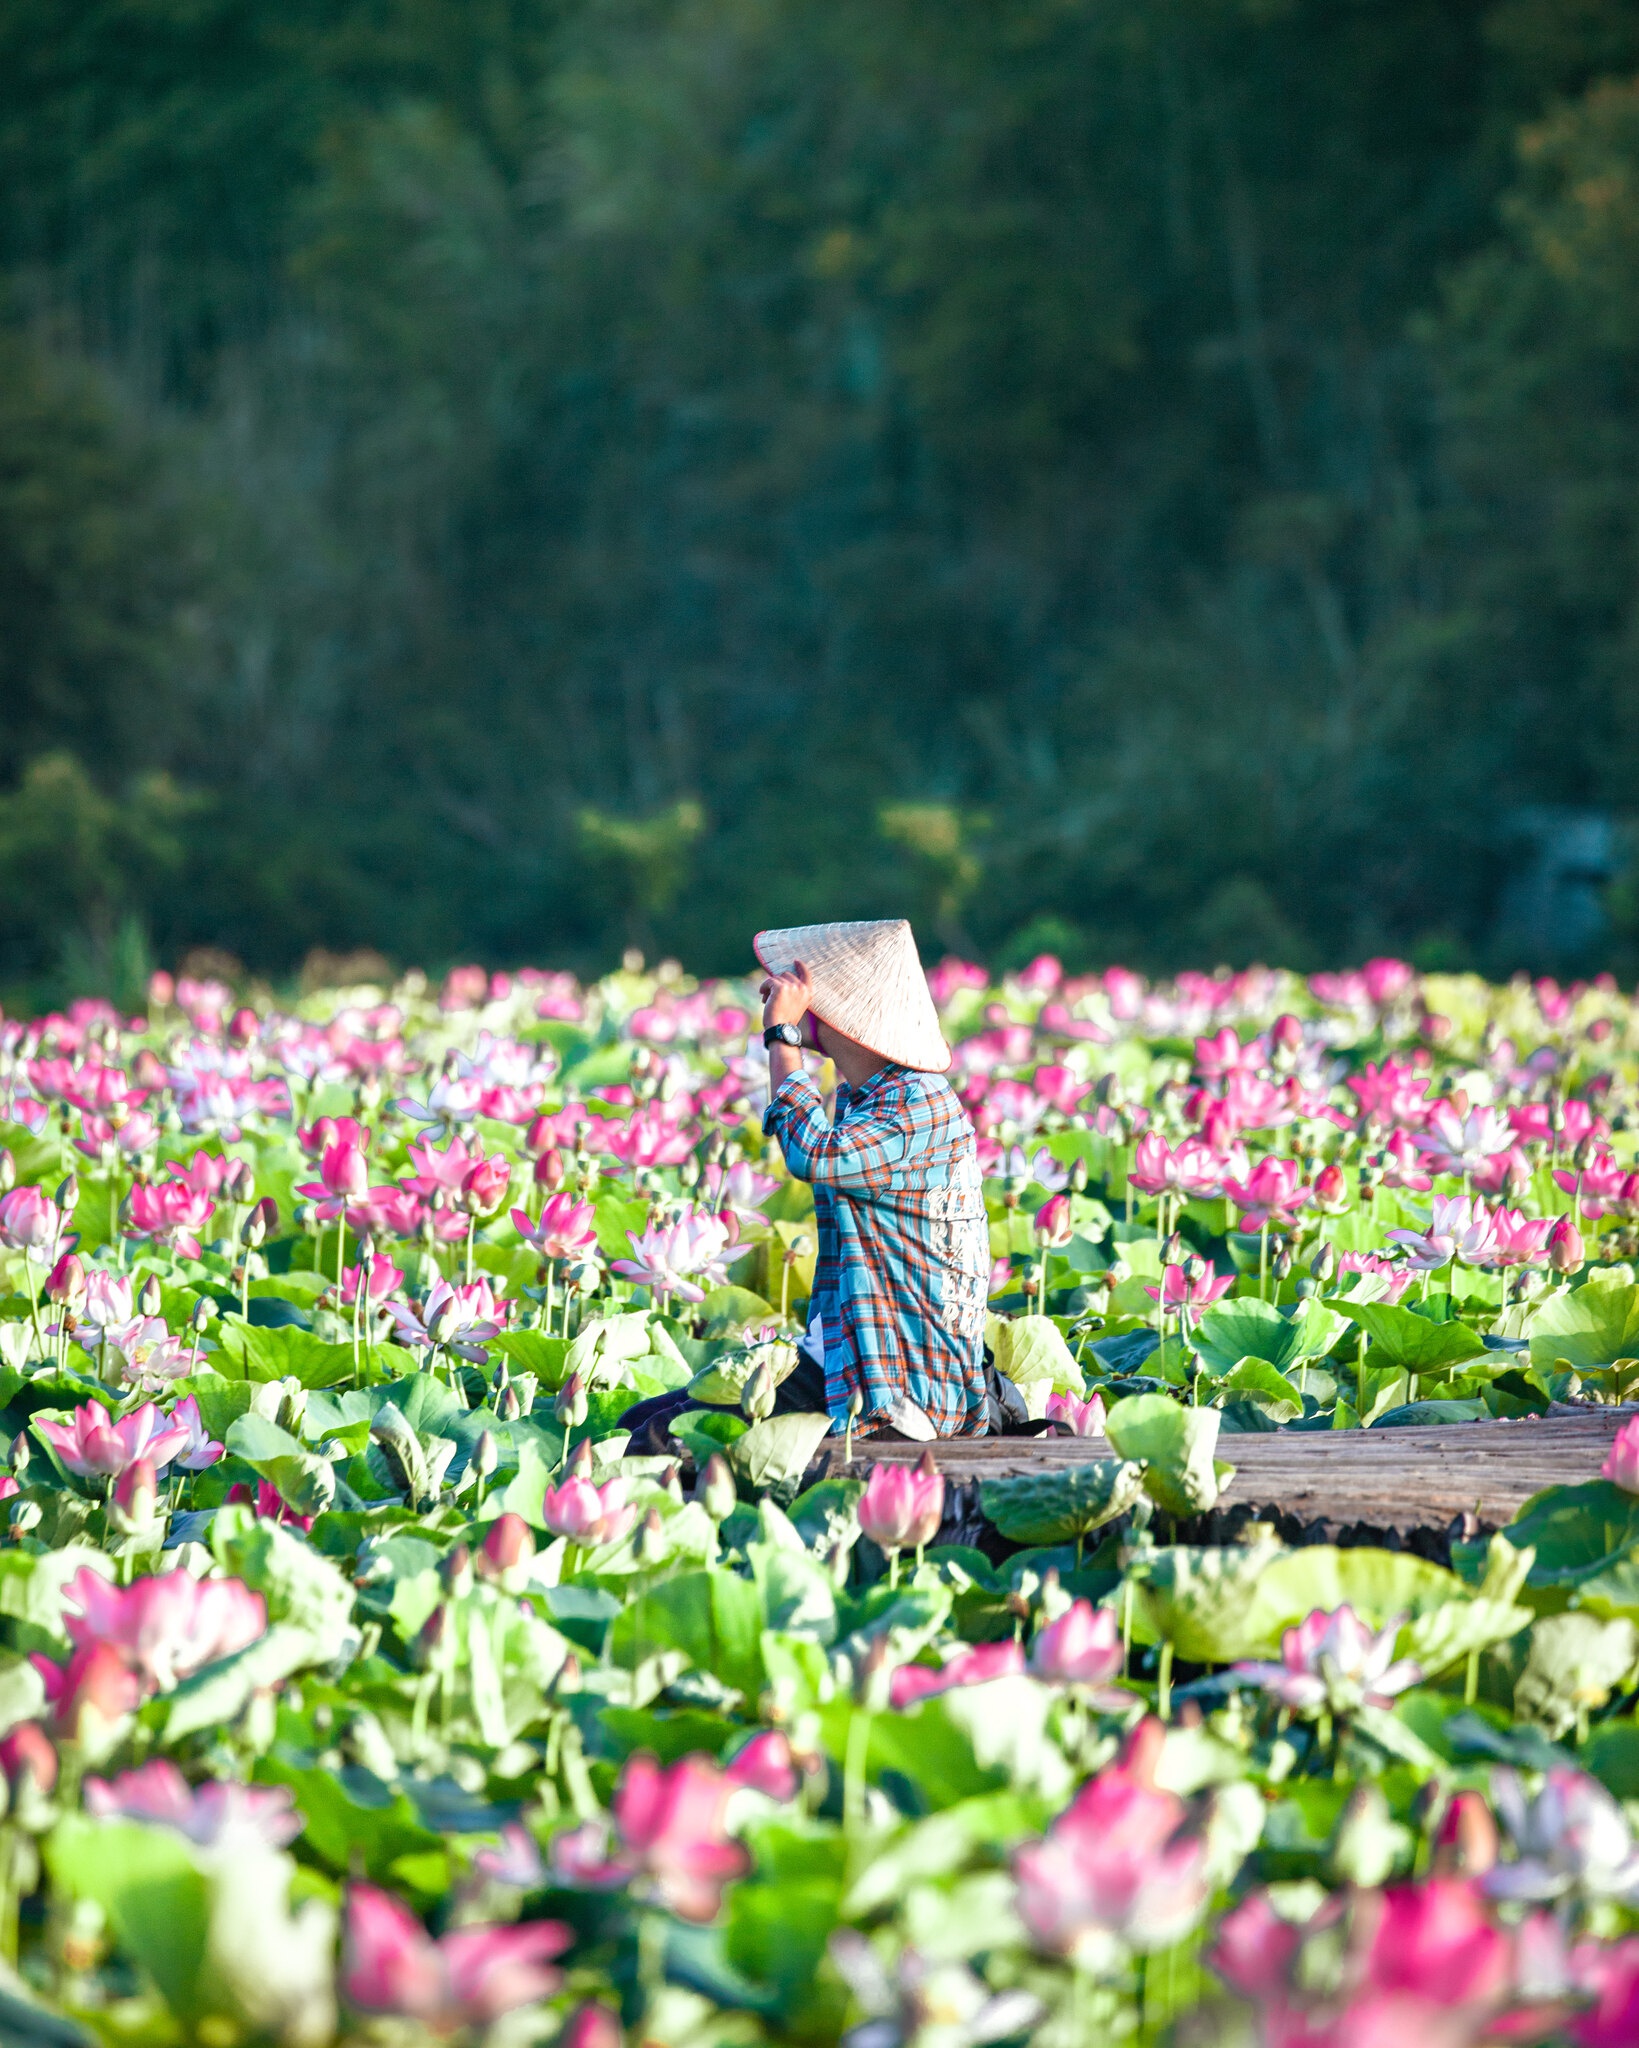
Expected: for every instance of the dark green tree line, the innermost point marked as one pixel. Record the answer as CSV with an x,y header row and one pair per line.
x,y
1152,478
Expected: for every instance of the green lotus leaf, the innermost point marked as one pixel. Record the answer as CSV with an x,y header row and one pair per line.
x,y
1594,1326
1401,1337
1061,1505
1176,1444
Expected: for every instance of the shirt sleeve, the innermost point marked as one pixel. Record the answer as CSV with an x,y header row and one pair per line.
x,y
852,1155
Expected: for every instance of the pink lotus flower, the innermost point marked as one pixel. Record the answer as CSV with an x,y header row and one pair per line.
x,y
26,1751
1194,1169
1122,1868
1402,1165
91,1695
1052,1225
1519,1240
650,1138
344,1178
672,1258
485,1186
30,1222
1271,1194
1178,1290
104,1140
765,1764
1504,1173
159,1793
1601,1187
171,1213
903,1505
1422,1964
150,1357
740,1187
1454,1142
1608,1974
1388,1281
1572,1838
587,1514
567,1228
457,1319
200,1450
1392,1092
108,1299
1076,1418
517,1862
375,1284
1458,1229
1621,1466
670,1824
985,1661
65,1283
1332,1662
317,1137
164,1627
1566,1251
93,1447
443,1169
465,1979
1083,1647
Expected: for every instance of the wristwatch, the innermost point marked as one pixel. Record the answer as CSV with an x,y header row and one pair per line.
x,y
783,1034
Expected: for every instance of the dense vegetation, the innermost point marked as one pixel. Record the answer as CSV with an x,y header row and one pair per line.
x,y
558,473
370,1675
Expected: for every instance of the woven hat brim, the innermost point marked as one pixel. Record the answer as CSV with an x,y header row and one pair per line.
x,y
868,984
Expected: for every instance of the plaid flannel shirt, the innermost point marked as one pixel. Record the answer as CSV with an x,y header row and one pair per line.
x,y
903,1272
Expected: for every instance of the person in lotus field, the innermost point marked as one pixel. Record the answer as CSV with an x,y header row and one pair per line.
x,y
897,1313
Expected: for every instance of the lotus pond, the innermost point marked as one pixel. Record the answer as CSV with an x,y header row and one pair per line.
x,y
362,1678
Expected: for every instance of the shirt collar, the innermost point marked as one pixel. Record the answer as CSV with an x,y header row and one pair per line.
x,y
848,1096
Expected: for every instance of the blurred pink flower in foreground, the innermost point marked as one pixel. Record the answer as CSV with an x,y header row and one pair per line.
x,y
158,1792
164,1627
913,1682
1421,1966
30,1222
1123,1867
1621,1466
464,1979
670,1826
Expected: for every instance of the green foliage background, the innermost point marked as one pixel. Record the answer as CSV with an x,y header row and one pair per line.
x,y
519,477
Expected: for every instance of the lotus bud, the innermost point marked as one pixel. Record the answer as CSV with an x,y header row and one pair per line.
x,y
672,1483
8,1170
1117,1271
136,1492
23,1516
455,1570
1565,1249
1281,1264
486,1454
757,1396
508,1550
570,1403
872,1675
20,1453
510,1407
254,1229
430,1638
501,1378
689,1172
591,2026
243,1026
524,1386
67,1281
1078,1177
200,1321
1173,1252
68,1194
549,1172
1324,1263
150,1300
650,1541
714,1489
580,1463
240,1183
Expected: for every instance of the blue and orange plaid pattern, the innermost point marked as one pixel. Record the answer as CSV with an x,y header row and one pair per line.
x,y
903,1272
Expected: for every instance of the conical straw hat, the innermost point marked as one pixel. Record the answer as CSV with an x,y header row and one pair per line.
x,y
868,983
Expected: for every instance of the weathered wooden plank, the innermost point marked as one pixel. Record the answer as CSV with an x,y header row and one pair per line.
x,y
1390,1478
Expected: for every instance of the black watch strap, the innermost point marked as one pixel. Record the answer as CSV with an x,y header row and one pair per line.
x,y
783,1034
